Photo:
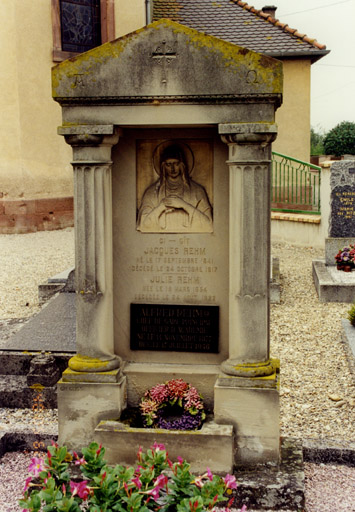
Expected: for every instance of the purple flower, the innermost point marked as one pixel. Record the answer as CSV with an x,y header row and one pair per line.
x,y
209,474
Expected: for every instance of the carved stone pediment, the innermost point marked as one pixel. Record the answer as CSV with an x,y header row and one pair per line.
x,y
167,62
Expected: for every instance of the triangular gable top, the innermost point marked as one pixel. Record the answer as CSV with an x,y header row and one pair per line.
x,y
240,23
166,61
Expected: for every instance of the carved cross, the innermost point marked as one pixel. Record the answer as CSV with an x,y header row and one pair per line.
x,y
164,55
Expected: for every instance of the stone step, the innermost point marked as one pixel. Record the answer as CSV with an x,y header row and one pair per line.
x,y
16,394
18,363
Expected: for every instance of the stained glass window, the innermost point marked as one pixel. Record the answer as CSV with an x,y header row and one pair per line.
x,y
80,24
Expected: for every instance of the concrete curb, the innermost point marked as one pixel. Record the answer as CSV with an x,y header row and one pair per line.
x,y
330,451
319,451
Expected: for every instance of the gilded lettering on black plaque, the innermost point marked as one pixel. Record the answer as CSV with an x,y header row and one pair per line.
x,y
172,327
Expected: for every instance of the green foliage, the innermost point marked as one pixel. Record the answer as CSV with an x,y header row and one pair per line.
x,y
351,315
317,146
62,482
341,139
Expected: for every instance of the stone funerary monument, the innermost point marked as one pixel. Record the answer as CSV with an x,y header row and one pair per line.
x,y
331,284
171,133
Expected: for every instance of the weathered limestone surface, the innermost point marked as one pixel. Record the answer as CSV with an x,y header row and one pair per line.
x,y
170,85
211,446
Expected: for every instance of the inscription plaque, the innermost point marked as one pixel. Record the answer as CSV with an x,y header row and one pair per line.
x,y
343,212
174,327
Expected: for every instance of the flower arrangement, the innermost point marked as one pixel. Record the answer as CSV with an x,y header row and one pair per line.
x,y
345,257
66,482
174,405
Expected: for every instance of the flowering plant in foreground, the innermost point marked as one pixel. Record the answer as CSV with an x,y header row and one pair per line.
x,y
346,255
71,483
173,398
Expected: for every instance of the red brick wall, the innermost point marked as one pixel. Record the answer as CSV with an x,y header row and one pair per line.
x,y
28,215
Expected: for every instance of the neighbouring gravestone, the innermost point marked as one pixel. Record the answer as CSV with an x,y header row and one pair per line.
x,y
342,213
171,133
342,183
333,285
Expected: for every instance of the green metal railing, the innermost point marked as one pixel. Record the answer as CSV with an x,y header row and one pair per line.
x,y
295,185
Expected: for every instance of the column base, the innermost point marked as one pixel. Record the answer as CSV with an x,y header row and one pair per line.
x,y
235,368
252,407
80,363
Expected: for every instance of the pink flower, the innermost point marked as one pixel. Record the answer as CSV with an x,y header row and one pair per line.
x,y
180,460
139,454
154,493
209,474
137,482
149,407
161,481
27,483
81,489
177,387
230,481
193,399
159,393
156,446
80,462
198,481
36,466
243,509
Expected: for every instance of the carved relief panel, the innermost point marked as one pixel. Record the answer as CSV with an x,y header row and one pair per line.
x,y
174,186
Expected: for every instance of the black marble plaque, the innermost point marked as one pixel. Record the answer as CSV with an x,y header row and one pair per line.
x,y
174,327
342,223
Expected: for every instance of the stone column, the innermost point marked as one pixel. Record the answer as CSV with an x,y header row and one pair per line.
x,y
246,391
93,388
93,246
249,167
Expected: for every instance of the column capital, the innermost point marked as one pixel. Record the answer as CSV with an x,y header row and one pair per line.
x,y
89,135
248,133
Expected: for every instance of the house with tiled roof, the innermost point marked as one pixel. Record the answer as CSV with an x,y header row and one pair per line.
x,y
259,30
36,184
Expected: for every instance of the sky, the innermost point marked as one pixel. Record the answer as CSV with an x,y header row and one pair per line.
x,y
333,76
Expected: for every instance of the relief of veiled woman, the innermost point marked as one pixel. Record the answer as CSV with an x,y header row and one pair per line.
x,y
174,203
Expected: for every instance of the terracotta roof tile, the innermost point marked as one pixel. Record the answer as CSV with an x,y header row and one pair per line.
x,y
239,23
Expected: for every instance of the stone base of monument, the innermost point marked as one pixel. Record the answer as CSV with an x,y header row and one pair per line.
x,y
84,403
333,285
274,486
211,446
252,406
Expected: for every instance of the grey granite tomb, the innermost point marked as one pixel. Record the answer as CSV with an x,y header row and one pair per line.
x,y
334,285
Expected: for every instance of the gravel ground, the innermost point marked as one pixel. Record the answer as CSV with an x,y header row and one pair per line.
x,y
317,386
